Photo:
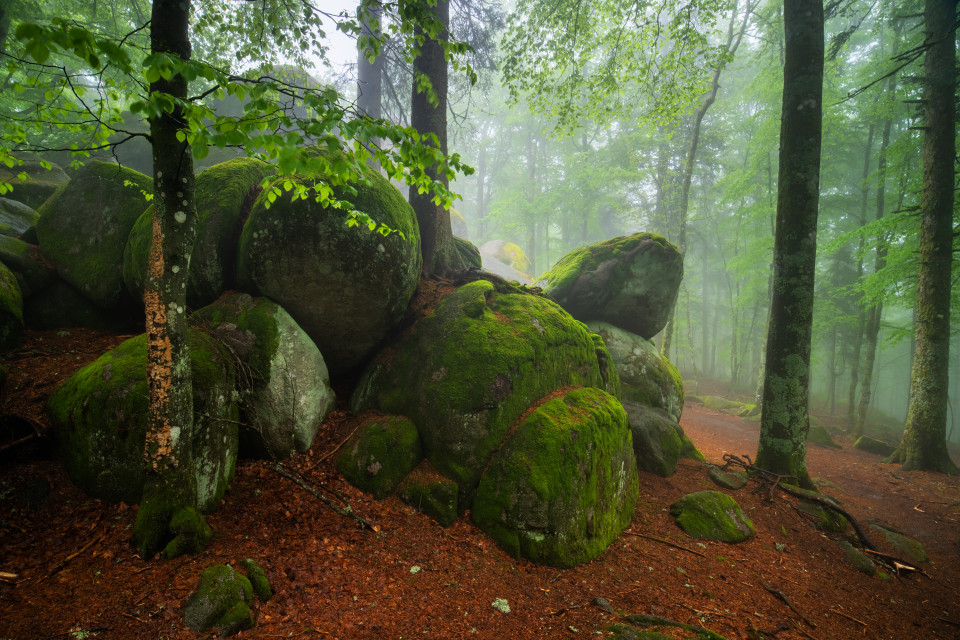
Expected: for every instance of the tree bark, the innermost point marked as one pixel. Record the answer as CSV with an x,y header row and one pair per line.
x,y
369,74
784,421
924,445
170,482
440,256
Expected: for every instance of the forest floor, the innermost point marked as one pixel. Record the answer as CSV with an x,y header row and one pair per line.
x,y
70,571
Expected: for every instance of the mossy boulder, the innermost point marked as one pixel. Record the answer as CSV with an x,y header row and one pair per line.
x,y
630,282
913,549
224,195
657,441
646,377
83,230
99,419
16,217
60,306
222,600
711,515
468,252
11,310
430,493
38,183
33,271
472,365
346,286
818,434
872,445
723,405
858,558
732,480
380,454
258,579
286,393
564,485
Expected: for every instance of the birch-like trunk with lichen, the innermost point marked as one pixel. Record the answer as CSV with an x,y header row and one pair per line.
x,y
784,420
170,483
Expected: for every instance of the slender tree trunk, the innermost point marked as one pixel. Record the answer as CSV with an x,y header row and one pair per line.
x,y
924,441
440,256
170,482
785,422
862,316
369,74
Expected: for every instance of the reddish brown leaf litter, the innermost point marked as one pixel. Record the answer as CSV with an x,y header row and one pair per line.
x,y
76,573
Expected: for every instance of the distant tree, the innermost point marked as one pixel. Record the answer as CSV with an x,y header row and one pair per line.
x,y
923,445
784,419
370,61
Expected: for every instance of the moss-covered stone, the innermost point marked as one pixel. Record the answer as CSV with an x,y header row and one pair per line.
x,y
380,454
16,217
646,377
468,369
872,445
39,184
711,515
431,493
631,282
258,579
222,600
468,252
61,306
723,405
913,549
628,632
858,559
347,287
819,435
564,485
223,197
190,534
823,519
83,230
286,393
11,310
33,271
656,439
100,414
733,480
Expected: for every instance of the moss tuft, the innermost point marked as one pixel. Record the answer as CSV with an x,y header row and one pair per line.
x,y
11,310
380,454
711,515
258,579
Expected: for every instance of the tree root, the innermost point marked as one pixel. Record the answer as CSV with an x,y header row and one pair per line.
x,y
304,484
642,620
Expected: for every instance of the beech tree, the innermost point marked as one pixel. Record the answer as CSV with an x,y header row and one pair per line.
x,y
923,445
784,421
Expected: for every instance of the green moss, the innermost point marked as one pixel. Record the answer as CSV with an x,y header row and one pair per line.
x,y
711,515
258,579
564,485
872,445
819,435
99,418
190,534
733,480
27,263
858,559
468,369
221,601
11,310
578,261
430,493
105,201
468,252
913,549
380,454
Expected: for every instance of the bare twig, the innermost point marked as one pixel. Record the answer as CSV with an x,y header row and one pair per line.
x,y
666,542
346,512
783,598
841,613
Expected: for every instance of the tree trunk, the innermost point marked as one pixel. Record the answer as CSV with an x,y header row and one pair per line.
x,y
369,74
784,422
170,483
924,441
440,256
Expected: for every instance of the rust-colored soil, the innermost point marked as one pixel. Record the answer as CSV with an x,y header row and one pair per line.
x,y
75,571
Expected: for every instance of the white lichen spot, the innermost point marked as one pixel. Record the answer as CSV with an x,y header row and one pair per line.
x,y
501,605
180,216
185,203
381,249
175,268
179,194
179,309
174,436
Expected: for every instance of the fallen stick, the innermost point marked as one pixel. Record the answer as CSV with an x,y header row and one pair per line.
x,y
6,575
346,511
70,557
841,613
783,597
657,621
666,542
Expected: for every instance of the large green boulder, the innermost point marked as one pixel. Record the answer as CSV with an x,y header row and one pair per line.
x,y
346,286
11,310
711,515
33,271
99,418
564,484
472,365
646,377
32,182
286,393
16,217
630,282
224,195
658,441
83,230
